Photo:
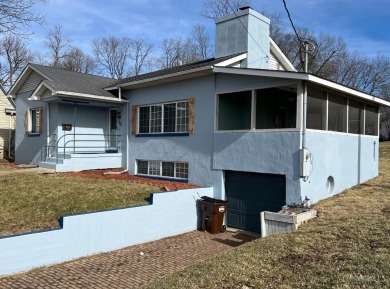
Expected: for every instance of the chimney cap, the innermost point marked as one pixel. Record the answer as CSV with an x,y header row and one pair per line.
x,y
245,7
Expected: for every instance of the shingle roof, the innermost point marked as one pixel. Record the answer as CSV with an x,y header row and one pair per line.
x,y
172,70
70,81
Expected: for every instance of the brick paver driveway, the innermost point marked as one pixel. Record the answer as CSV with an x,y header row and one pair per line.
x,y
131,267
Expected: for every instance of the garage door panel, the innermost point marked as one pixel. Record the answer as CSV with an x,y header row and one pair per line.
x,y
234,204
234,219
249,194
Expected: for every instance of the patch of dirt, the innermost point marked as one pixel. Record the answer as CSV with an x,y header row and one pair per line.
x,y
162,184
8,165
386,210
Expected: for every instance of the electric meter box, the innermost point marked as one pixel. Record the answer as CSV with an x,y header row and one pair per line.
x,y
305,162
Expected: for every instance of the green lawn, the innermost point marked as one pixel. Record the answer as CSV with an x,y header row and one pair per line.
x,y
35,202
347,246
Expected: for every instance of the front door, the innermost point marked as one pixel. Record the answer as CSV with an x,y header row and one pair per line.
x,y
113,123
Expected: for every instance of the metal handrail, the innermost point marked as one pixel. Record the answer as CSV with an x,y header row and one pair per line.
x,y
47,145
74,140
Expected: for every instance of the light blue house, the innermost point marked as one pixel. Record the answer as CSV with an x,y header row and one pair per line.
x,y
245,122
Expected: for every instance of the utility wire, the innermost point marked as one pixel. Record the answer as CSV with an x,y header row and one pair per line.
x,y
246,29
292,23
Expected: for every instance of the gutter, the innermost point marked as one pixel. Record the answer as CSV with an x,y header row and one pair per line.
x,y
162,77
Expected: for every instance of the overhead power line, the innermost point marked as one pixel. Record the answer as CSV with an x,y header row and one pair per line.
x,y
292,23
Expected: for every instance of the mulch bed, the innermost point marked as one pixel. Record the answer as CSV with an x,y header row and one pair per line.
x,y
6,164
164,185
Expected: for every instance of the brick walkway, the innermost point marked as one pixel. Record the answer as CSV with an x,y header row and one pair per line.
x,y
131,267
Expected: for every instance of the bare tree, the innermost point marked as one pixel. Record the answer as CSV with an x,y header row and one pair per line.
x,y
200,42
171,53
112,55
139,52
215,9
76,60
15,56
58,45
16,15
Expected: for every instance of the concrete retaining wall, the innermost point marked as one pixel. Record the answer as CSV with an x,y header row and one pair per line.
x,y
168,214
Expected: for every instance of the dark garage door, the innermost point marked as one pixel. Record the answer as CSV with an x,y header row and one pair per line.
x,y
249,194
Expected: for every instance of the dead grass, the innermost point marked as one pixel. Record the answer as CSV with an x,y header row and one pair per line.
x,y
347,246
35,202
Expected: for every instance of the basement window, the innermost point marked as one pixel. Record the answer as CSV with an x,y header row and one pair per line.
x,y
178,170
234,111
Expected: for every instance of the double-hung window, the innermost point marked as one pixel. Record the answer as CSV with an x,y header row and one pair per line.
x,y
33,121
170,117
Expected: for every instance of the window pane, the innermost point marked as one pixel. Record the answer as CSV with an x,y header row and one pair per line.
x,y
34,121
276,108
144,116
371,127
182,116
337,116
355,119
169,117
182,170
234,111
142,167
316,109
155,118
154,168
168,169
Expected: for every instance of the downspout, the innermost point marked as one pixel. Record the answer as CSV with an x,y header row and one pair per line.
x,y
305,154
9,135
304,87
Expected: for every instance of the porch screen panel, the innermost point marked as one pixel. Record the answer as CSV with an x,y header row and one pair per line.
x,y
169,117
276,108
355,117
337,115
316,109
371,127
234,111
144,115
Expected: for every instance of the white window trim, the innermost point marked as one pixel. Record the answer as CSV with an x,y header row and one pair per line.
x,y
162,117
253,107
160,175
30,122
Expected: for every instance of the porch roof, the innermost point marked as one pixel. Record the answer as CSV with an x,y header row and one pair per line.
x,y
300,76
61,81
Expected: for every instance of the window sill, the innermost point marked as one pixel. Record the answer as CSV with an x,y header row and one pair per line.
x,y
163,178
32,134
162,134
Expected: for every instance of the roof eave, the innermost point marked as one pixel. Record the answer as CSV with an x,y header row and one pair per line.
x,y
304,77
90,97
178,75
